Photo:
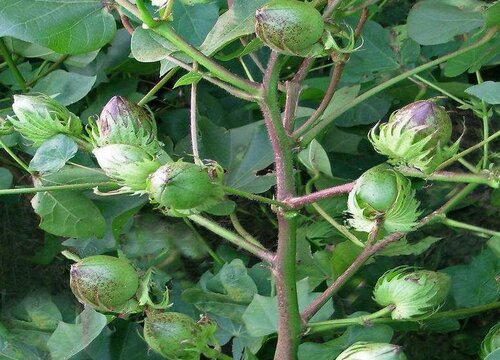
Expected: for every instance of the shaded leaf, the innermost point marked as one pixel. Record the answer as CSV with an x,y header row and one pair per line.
x,y
53,154
489,91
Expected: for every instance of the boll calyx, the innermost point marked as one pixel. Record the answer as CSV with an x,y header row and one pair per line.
x,y
372,351
491,344
382,193
177,336
39,117
183,186
129,165
416,135
123,122
413,293
105,283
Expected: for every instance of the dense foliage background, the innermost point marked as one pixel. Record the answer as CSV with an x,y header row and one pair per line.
x,y
82,54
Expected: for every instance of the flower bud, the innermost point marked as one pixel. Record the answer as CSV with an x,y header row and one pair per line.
x,y
491,343
123,122
182,186
129,165
39,117
289,26
372,351
382,193
105,283
176,336
416,135
413,293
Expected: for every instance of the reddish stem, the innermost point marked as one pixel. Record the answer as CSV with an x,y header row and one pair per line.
x,y
300,201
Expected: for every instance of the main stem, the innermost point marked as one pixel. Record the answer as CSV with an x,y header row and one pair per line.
x,y
289,324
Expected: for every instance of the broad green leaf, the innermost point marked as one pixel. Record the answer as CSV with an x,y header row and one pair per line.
x,y
234,23
70,339
36,311
495,355
339,140
193,22
235,282
261,316
374,56
489,91
476,283
474,59
331,349
65,87
53,154
368,112
6,178
51,248
315,159
148,46
214,303
402,247
68,213
433,22
242,152
65,26
342,97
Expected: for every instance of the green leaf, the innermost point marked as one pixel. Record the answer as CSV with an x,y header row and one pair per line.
x,y
331,349
315,159
68,213
235,282
51,248
402,247
65,87
6,178
476,283
242,152
342,97
65,26
489,91
36,311
234,23
474,59
53,154
368,112
433,22
261,316
187,79
193,22
70,339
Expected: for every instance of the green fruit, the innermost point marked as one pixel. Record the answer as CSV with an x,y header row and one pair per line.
x,y
382,193
491,344
413,293
378,188
289,26
372,351
39,117
104,282
416,135
181,186
174,336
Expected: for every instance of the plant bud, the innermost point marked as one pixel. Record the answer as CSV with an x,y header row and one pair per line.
x,y
39,117
491,343
385,194
123,122
129,165
416,135
105,283
413,293
182,186
372,351
176,336
289,26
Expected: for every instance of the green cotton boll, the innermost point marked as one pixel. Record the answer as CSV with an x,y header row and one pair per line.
x,y
491,342
372,351
382,193
183,186
123,122
39,117
129,165
416,135
105,283
289,26
415,294
177,336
